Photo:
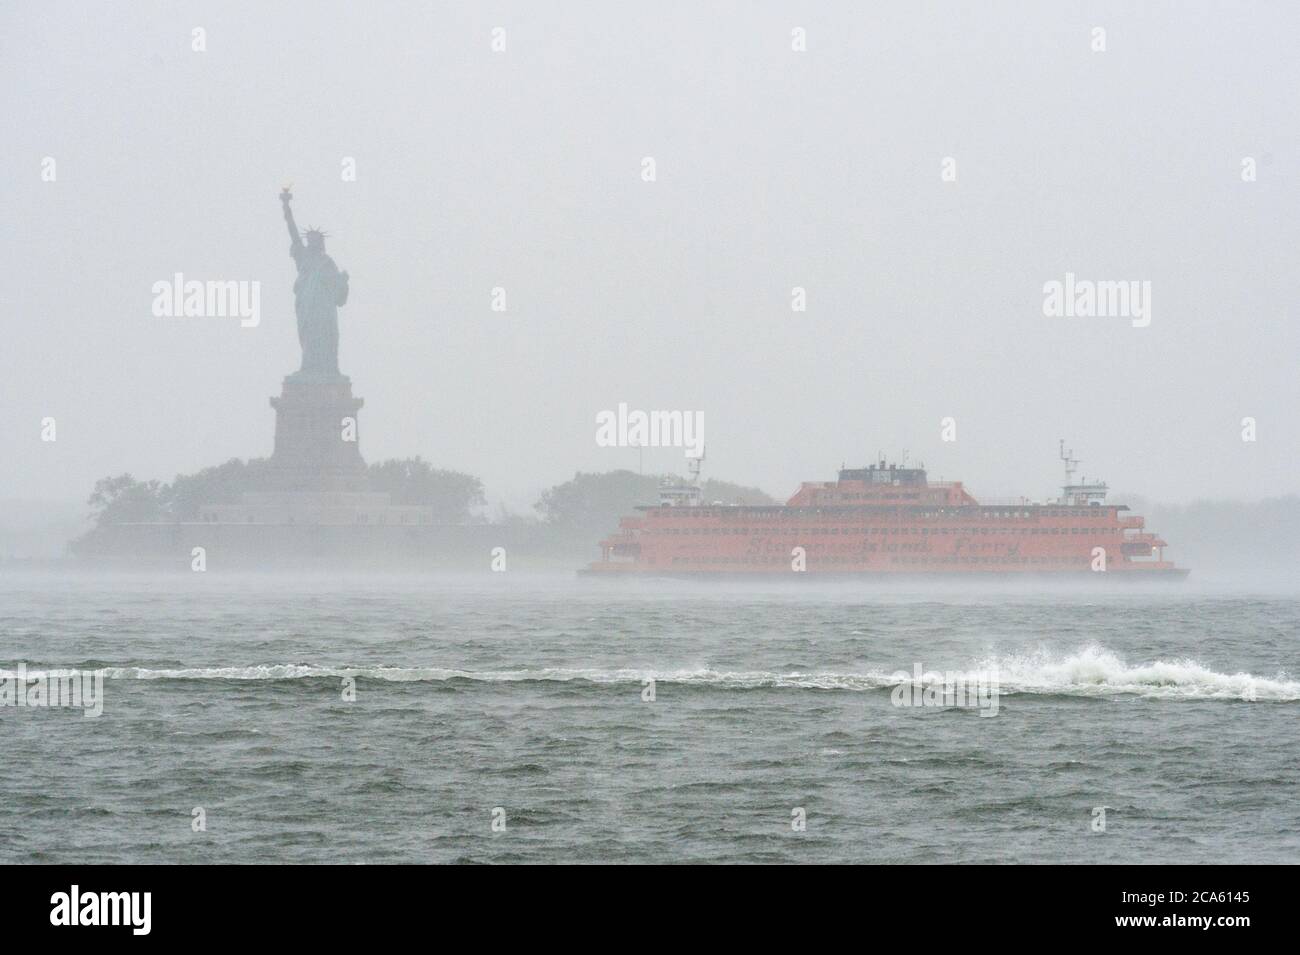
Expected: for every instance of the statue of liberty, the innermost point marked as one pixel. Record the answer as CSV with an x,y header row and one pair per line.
x,y
317,293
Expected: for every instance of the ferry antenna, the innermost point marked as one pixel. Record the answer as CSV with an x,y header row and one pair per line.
x,y
1070,463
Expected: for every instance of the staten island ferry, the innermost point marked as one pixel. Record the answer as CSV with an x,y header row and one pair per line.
x,y
885,519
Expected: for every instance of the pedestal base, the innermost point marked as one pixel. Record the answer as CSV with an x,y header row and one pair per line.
x,y
316,438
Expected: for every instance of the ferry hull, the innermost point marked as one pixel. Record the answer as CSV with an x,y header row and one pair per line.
x,y
887,523
1166,575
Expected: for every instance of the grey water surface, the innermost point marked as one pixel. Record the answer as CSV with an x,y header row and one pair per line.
x,y
524,700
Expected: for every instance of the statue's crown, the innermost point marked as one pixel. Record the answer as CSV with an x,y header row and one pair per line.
x,y
318,233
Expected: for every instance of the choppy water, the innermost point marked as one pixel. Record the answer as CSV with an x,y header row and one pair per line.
x,y
1176,710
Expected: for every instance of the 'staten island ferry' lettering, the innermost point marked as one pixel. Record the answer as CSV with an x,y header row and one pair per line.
x,y
881,520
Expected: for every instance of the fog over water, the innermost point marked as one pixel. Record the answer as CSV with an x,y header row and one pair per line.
x,y
776,169
814,234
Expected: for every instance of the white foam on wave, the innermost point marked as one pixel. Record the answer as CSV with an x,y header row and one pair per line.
x,y
1096,671
1092,671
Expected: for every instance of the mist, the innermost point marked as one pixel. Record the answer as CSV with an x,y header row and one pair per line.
x,y
915,177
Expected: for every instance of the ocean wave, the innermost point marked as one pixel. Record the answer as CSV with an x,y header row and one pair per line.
x,y
1096,671
1093,671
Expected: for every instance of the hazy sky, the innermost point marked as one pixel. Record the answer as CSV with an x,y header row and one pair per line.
x,y
775,168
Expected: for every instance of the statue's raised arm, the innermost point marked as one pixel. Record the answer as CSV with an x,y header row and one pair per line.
x,y
294,237
318,291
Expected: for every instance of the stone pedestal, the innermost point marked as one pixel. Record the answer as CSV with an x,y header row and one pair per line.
x,y
312,452
316,477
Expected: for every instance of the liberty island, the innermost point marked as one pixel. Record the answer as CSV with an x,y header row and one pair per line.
x,y
314,500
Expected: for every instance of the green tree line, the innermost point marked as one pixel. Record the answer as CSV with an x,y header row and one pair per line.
x,y
454,497
586,507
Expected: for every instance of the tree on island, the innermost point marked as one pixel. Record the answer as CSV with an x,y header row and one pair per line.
x,y
589,506
453,496
123,499
220,484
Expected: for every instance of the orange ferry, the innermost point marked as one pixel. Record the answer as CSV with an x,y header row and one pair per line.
x,y
884,520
